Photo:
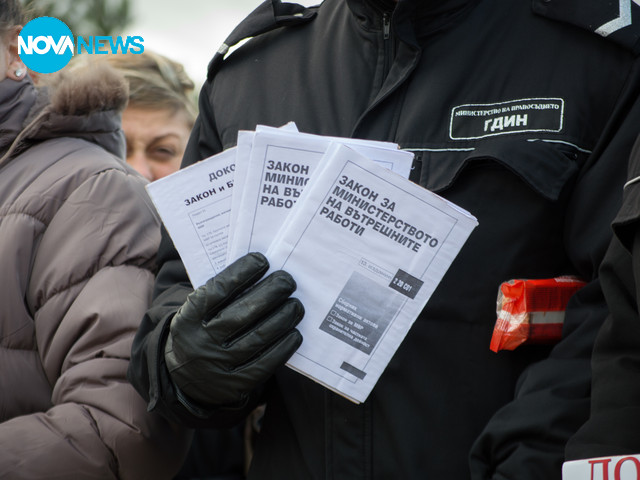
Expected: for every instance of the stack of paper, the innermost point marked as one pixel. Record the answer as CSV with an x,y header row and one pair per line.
x,y
366,246
275,170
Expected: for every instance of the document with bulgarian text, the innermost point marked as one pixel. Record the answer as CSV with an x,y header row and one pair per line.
x,y
276,172
619,467
367,249
195,206
243,152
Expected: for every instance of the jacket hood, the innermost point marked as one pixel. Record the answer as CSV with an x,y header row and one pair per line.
x,y
82,103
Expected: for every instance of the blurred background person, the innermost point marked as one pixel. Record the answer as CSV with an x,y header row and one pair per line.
x,y
160,113
78,240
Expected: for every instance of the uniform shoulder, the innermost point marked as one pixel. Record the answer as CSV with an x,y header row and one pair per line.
x,y
617,20
268,16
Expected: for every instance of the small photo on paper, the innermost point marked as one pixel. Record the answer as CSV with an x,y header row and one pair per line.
x,y
361,313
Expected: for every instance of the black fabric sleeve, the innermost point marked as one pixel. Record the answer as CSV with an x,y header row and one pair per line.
x,y
614,425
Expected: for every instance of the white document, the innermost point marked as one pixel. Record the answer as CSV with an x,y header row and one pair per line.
x,y
243,152
195,206
279,167
622,467
367,249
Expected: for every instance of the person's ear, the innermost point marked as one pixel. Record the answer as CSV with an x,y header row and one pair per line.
x,y
16,70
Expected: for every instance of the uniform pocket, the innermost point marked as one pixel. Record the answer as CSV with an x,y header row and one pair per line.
x,y
544,166
519,191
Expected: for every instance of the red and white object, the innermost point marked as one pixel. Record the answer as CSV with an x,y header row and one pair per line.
x,y
623,467
532,311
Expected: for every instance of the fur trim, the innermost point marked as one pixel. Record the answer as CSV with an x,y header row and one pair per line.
x,y
83,89
89,88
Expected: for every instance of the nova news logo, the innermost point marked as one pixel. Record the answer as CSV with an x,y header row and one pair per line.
x,y
46,45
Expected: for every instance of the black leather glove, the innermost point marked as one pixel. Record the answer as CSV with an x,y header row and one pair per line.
x,y
225,340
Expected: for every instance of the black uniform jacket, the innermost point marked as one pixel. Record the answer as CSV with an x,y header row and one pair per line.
x,y
517,111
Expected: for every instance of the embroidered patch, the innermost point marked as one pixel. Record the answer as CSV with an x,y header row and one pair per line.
x,y
473,121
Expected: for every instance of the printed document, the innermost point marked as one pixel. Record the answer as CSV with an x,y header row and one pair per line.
x,y
195,206
366,246
199,205
619,467
243,152
367,249
274,175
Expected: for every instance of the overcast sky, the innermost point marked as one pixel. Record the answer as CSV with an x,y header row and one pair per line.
x,y
189,31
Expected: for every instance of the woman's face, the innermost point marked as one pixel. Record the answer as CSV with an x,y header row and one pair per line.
x,y
156,140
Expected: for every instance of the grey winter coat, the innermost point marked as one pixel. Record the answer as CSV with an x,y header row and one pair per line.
x,y
78,238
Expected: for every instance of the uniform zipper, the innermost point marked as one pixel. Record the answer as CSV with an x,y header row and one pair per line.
x,y
387,43
416,167
386,26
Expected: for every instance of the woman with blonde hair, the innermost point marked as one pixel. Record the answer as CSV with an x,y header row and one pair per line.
x,y
160,114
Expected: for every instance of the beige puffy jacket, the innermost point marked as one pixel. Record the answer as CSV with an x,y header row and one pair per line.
x,y
78,237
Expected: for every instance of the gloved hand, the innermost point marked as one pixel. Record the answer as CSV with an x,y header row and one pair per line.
x,y
225,341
